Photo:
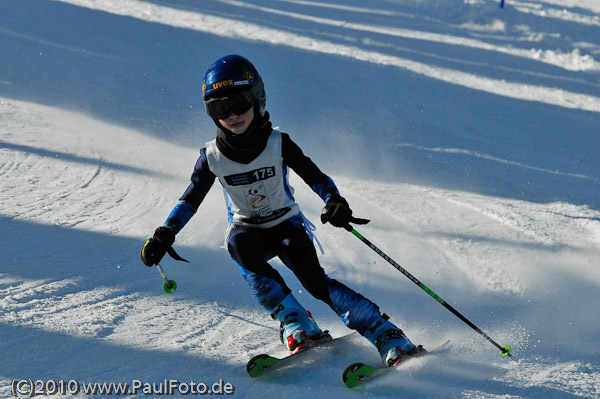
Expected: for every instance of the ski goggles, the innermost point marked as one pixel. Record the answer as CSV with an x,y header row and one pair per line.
x,y
222,107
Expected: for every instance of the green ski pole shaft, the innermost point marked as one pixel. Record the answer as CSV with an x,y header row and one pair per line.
x,y
504,351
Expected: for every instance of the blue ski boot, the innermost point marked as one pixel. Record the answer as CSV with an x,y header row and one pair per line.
x,y
390,341
298,328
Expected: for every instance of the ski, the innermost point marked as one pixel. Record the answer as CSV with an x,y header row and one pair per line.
x,y
263,364
358,374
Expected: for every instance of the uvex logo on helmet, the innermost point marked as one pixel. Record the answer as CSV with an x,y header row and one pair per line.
x,y
229,82
222,84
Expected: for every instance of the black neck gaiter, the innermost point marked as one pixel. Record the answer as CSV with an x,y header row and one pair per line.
x,y
244,148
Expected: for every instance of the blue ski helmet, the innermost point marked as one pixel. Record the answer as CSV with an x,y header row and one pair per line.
x,y
233,74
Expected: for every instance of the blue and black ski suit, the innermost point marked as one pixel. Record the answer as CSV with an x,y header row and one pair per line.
x,y
265,221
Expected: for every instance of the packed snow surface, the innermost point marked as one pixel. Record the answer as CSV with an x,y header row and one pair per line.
x,y
467,133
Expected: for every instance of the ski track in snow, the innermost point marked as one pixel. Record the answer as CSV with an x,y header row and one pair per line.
x,y
79,196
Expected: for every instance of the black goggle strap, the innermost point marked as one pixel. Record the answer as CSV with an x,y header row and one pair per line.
x,y
257,89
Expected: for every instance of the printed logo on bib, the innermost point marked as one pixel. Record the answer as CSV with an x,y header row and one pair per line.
x,y
253,176
258,201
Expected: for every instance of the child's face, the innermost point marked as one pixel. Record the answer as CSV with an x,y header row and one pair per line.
x,y
238,124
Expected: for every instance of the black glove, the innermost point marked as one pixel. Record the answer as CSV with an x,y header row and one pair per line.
x,y
156,247
336,211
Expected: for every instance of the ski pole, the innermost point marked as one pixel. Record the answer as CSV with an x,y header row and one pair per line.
x,y
169,285
504,351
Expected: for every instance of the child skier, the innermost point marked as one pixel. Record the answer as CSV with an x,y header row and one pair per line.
x,y
251,161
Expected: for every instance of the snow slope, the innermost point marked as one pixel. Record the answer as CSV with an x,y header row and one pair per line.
x,y
467,133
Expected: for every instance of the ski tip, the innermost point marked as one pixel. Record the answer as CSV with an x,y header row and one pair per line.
x,y
260,364
356,374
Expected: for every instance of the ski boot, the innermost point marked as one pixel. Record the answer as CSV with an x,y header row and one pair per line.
x,y
297,329
390,341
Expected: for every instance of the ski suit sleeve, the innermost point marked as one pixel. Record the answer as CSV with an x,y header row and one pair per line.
x,y
306,169
201,181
